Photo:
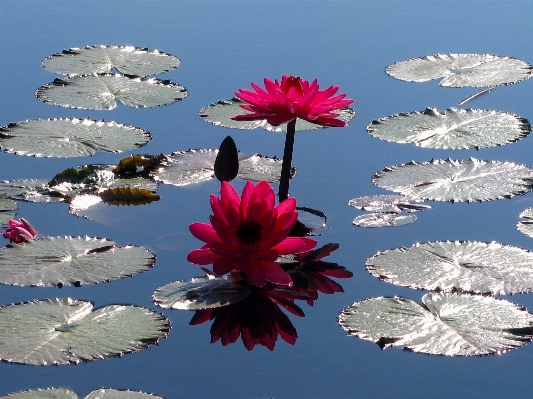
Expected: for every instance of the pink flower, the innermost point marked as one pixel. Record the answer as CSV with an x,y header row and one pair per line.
x,y
19,231
248,234
293,98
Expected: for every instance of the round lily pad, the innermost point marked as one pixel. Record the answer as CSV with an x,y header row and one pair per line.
x,y
526,226
388,203
383,220
49,393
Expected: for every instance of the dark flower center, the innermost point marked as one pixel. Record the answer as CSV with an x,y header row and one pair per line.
x,y
249,233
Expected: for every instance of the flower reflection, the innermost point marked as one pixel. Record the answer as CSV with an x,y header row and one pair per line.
x,y
249,233
292,98
19,231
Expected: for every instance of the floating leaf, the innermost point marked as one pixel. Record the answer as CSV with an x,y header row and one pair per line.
x,y
388,203
29,190
201,293
458,70
452,129
6,204
49,393
221,112
102,91
526,226
102,59
446,324
128,196
64,138
136,165
463,180
259,167
108,393
64,331
465,265
71,261
383,220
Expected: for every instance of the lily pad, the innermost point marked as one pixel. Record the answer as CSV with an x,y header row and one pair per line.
x,y
66,331
71,261
452,129
457,180
29,190
201,293
109,393
102,91
388,203
221,112
65,138
103,59
465,265
526,226
459,70
6,204
383,220
49,393
444,324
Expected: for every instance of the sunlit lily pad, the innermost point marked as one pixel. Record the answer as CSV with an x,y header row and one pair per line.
x,y
103,59
388,203
109,393
6,204
383,220
201,293
101,92
452,129
457,180
71,261
64,138
221,112
526,226
466,265
446,324
65,331
49,393
458,70
29,190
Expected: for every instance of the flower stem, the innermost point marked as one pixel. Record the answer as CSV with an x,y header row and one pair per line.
x,y
287,161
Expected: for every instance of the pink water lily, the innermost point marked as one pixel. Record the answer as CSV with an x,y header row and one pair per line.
x,y
19,231
248,233
290,99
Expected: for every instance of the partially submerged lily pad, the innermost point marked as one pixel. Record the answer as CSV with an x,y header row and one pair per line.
x,y
128,196
71,261
6,204
103,59
201,293
526,226
459,70
465,265
49,393
103,91
383,220
65,138
451,129
457,180
29,190
388,203
221,112
444,324
66,331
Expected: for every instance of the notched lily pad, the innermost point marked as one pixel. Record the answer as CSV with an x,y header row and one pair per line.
x,y
220,114
457,180
103,91
66,331
103,59
451,129
526,226
459,70
444,324
65,138
201,293
71,261
383,220
388,203
464,265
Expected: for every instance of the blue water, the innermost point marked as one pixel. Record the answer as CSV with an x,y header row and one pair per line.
x,y
225,45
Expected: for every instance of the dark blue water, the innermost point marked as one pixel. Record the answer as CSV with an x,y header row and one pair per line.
x,y
224,46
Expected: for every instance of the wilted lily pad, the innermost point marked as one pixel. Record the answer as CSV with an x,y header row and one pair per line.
x,y
102,59
383,220
64,138
101,92
65,331
466,265
526,226
452,129
221,112
388,203
49,393
458,70
452,180
445,324
71,261
201,293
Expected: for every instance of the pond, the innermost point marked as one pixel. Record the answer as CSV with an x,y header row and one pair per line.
x,y
224,46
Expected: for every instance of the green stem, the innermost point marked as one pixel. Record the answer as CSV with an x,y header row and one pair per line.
x,y
287,161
